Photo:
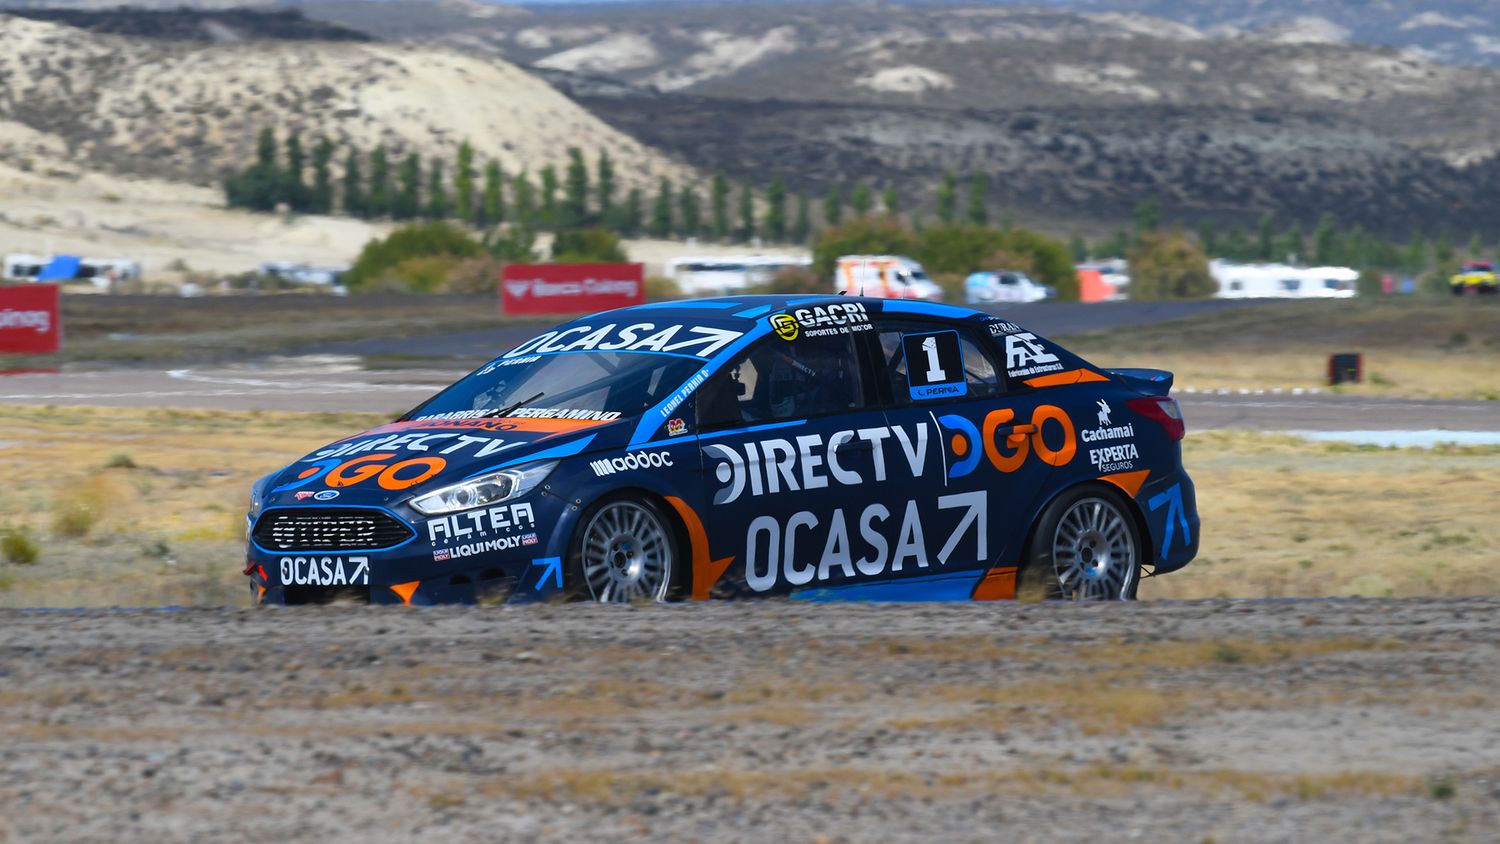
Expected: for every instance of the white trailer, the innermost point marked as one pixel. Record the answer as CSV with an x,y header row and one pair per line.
x,y
1280,281
718,275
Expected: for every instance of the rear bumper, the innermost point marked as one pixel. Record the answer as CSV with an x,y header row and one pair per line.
x,y
1170,506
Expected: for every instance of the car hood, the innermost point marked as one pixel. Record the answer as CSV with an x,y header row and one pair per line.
x,y
393,462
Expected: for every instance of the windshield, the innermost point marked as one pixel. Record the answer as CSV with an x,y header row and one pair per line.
x,y
575,385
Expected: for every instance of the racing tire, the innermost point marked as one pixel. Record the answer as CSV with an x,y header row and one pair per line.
x,y
624,550
1086,547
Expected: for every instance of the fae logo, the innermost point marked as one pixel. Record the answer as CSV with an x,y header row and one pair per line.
x,y
1024,355
786,326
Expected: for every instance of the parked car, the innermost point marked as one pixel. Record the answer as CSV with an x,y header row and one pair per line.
x,y
1004,286
818,447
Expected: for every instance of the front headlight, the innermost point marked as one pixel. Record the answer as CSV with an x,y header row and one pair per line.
x,y
489,488
258,494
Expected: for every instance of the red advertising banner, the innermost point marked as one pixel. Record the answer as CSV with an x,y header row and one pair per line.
x,y
30,320
539,289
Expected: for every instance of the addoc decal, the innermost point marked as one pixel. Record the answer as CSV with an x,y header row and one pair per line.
x,y
700,340
631,462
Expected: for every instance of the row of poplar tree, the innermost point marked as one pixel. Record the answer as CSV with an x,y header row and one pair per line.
x,y
379,186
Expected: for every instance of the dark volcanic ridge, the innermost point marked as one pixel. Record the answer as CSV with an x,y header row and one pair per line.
x,y
189,24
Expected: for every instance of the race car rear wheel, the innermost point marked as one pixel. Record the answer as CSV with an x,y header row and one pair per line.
x,y
1087,547
625,551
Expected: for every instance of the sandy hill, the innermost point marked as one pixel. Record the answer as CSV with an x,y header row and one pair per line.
x,y
186,111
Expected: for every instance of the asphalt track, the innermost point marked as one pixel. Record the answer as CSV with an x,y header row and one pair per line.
x,y
340,384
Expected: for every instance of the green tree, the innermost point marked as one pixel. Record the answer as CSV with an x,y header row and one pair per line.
x,y
1168,266
1236,246
259,186
438,206
661,210
1147,217
1265,237
1443,250
775,227
464,175
523,193
977,213
1078,248
747,213
1415,258
408,200
1475,249
321,201
1207,239
888,199
592,245
947,196
633,217
575,207
381,202
356,203
718,204
802,223
549,209
293,189
492,208
1291,247
1326,247
1117,246
862,200
861,236
687,208
833,206
383,259
605,171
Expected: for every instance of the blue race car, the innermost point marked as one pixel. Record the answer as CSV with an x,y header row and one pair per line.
x,y
817,447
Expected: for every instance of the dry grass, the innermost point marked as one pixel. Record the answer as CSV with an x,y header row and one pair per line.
x,y
1412,346
620,788
1281,516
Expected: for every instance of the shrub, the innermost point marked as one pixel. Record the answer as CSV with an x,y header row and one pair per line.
x,y
121,461
661,288
1369,283
588,246
474,275
869,235
18,547
1169,266
73,519
423,240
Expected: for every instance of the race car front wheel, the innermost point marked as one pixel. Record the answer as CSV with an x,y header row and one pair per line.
x,y
624,551
1086,547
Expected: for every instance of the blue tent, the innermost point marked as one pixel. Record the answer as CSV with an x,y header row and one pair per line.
x,y
62,268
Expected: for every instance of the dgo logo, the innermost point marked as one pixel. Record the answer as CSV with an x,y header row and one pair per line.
x,y
403,474
1007,445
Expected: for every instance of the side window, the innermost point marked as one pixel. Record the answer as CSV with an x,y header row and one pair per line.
x,y
981,376
778,380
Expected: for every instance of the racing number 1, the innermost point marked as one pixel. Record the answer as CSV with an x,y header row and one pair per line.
x,y
935,371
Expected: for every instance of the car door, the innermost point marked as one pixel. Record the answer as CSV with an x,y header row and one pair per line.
x,y
797,457
994,449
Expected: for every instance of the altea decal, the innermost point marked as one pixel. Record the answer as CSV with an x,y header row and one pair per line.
x,y
699,340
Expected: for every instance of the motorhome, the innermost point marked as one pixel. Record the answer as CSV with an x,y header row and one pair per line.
x,y
716,275
884,276
1004,286
1279,281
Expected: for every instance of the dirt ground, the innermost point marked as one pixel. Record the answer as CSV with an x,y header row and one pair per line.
x,y
1223,721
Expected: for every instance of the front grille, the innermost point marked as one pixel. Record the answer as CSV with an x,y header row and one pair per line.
x,y
346,529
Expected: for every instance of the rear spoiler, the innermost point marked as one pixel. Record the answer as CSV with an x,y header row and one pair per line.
x,y
1149,382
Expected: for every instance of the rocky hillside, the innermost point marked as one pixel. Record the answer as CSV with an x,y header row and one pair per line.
x,y
187,110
